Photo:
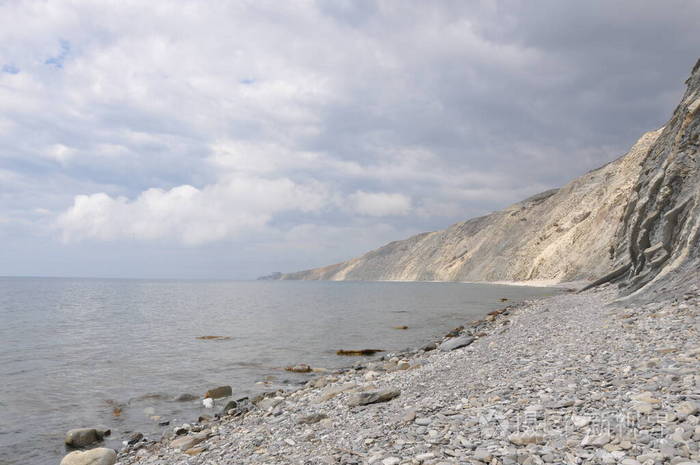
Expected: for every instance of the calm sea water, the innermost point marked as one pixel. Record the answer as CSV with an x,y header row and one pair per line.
x,y
73,349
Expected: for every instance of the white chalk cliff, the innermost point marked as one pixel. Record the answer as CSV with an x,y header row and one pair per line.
x,y
634,221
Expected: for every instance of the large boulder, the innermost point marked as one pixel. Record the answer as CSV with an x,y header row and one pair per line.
x,y
81,437
99,456
221,391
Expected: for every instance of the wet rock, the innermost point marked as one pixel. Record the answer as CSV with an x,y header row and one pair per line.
x,y
237,407
186,398
429,346
300,368
81,437
456,343
134,438
361,352
270,402
99,456
366,398
213,338
401,327
218,392
180,430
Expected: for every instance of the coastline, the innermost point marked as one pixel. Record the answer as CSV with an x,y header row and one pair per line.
x,y
543,381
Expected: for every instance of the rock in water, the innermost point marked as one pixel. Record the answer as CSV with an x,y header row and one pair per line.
x,y
134,438
456,343
366,398
299,368
221,391
81,437
99,456
364,352
186,398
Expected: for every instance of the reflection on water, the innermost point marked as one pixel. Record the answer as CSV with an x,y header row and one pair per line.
x,y
82,352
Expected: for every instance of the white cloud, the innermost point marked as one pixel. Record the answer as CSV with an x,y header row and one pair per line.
x,y
380,203
59,153
187,214
328,115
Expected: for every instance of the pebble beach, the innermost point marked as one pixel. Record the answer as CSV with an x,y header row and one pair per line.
x,y
574,379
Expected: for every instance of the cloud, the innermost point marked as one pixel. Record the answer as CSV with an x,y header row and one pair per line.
x,y
339,114
187,214
380,203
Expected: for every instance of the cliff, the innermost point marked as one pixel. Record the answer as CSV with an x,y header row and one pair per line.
x,y
633,220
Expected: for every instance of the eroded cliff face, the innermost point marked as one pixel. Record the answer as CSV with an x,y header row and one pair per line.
x,y
632,221
559,235
658,243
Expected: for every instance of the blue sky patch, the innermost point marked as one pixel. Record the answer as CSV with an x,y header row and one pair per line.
x,y
58,60
10,69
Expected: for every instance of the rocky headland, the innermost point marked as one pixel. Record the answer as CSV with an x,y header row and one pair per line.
x,y
635,221
610,375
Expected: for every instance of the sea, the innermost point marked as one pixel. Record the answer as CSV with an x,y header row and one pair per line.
x,y
117,352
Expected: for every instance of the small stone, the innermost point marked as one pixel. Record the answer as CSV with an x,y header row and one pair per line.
x,y
629,462
270,402
403,365
311,419
189,442
646,397
522,439
644,408
686,408
409,415
134,438
391,461
423,421
218,392
600,440
455,343
366,398
291,442
99,456
483,455
195,450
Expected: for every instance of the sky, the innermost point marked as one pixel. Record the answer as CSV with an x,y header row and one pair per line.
x,y
231,139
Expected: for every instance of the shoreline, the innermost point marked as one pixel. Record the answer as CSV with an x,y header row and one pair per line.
x,y
518,366
291,383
